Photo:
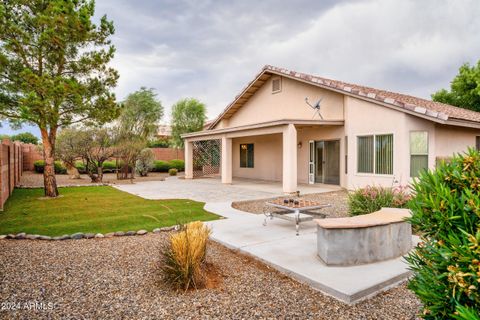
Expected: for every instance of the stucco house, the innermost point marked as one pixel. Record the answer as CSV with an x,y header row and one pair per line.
x,y
358,136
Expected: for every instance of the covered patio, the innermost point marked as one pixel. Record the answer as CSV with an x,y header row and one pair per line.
x,y
276,151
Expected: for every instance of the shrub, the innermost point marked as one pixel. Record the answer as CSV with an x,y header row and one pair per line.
x,y
109,166
39,166
372,198
145,162
161,166
184,257
160,143
177,164
172,172
80,167
446,266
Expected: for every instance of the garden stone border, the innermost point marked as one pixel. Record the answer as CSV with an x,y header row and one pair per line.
x,y
100,184
81,235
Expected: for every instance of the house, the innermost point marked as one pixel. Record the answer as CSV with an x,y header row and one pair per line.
x,y
357,136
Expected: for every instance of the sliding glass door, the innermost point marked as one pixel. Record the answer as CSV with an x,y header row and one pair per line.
x,y
324,162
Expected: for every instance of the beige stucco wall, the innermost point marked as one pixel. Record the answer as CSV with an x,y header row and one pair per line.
x,y
267,158
450,139
289,103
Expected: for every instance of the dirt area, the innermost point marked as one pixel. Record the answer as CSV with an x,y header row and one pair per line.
x,y
119,278
338,200
33,179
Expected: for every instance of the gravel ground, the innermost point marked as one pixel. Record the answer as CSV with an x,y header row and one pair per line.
x,y
33,179
118,278
338,200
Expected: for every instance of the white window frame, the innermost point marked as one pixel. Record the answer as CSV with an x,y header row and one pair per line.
x,y
417,154
366,174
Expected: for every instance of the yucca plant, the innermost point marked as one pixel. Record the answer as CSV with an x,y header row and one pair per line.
x,y
184,257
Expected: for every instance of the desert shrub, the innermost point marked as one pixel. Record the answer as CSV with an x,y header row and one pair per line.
x,y
80,167
446,265
172,172
159,143
39,166
109,166
184,256
373,198
177,164
145,162
161,166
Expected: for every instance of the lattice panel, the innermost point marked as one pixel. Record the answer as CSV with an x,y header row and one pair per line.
x,y
206,158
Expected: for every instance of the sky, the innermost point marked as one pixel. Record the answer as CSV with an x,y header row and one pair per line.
x,y
211,49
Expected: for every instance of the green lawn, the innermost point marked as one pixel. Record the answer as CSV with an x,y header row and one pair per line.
x,y
93,209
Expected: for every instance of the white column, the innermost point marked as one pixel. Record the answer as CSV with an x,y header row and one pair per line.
x,y
188,159
290,159
226,160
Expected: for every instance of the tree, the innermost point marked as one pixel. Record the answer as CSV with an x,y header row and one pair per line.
x,y
464,89
54,69
25,137
145,162
188,115
66,149
137,124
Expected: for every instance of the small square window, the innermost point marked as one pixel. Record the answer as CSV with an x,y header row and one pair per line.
x,y
246,155
276,85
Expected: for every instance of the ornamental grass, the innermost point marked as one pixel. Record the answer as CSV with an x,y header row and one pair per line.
x,y
184,258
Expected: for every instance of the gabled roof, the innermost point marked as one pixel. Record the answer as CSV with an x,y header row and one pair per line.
x,y
435,111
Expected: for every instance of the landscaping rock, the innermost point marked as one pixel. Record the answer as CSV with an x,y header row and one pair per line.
x,y
119,234
89,235
10,236
21,235
130,233
32,236
166,229
44,238
56,238
142,232
77,235
65,237
109,235
99,235
3,236
157,230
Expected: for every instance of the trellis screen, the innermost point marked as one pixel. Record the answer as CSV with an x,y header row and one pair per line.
x,y
206,158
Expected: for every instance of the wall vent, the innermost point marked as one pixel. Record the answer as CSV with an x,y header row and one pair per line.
x,y
276,85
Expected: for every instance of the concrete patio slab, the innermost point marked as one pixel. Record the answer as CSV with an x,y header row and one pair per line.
x,y
275,244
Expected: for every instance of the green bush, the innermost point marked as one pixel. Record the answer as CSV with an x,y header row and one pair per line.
x,y
39,166
80,167
372,198
160,143
161,166
177,164
446,265
109,166
172,172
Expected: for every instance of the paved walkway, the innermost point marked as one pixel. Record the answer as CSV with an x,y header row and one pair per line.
x,y
276,244
212,190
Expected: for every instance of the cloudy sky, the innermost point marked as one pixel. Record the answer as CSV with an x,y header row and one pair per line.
x,y
211,49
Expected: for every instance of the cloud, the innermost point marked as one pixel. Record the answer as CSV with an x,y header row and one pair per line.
x,y
212,49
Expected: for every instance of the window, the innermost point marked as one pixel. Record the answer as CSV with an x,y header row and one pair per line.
x,y
246,155
375,154
478,142
418,152
276,85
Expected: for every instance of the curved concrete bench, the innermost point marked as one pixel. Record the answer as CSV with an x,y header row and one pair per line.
x,y
377,236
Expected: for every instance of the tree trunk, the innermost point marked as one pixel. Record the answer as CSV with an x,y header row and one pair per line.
x,y
100,172
49,181
72,171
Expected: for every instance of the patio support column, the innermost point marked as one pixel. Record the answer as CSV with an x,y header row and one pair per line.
x,y
188,159
226,160
290,159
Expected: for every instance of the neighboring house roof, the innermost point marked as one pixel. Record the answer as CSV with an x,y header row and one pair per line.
x,y
436,111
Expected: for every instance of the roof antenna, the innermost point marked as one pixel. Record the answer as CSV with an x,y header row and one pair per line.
x,y
315,107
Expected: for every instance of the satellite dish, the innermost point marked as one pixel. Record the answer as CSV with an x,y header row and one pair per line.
x,y
315,107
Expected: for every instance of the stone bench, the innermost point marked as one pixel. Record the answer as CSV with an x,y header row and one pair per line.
x,y
368,238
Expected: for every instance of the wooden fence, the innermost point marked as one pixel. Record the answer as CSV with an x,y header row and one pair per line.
x,y
11,168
